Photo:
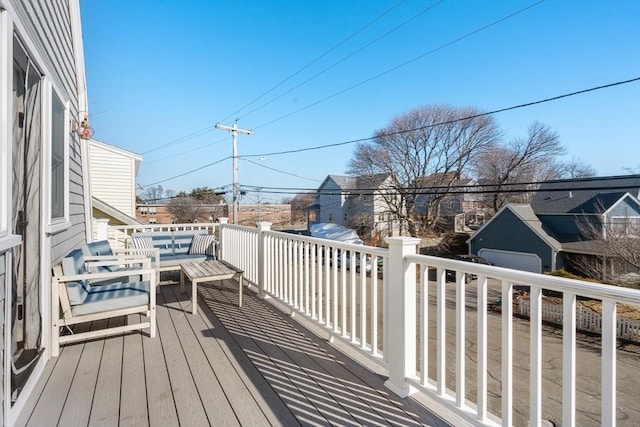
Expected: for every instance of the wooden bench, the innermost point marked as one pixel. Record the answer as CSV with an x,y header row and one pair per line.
x,y
80,296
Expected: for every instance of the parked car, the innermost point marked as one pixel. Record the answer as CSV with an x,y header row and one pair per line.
x,y
347,261
451,274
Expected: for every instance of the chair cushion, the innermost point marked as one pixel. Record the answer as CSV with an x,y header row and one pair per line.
x,y
113,297
202,244
99,248
145,242
72,264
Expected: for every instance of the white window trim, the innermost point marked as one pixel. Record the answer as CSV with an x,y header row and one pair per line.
x,y
54,225
6,62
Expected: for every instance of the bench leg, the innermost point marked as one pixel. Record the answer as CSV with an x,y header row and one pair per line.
x,y
194,296
181,281
240,291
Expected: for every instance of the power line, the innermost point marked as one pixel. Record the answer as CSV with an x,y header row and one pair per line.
x,y
182,139
343,59
184,152
402,65
573,184
280,171
312,62
353,141
188,172
501,110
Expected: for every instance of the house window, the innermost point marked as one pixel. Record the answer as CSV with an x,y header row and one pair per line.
x,y
152,221
330,217
628,226
152,209
346,217
58,160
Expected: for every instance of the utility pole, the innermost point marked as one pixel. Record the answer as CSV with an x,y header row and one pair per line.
x,y
234,134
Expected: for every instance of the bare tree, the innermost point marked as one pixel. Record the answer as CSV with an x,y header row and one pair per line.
x,y
575,168
523,160
433,139
185,209
153,194
299,204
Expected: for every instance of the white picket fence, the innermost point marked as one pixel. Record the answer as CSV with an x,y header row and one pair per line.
x,y
586,320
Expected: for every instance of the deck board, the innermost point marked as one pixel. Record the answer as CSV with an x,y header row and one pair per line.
x,y
84,379
185,394
227,365
133,394
106,397
211,394
162,408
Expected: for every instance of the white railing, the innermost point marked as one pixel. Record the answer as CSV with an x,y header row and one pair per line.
x,y
118,235
434,337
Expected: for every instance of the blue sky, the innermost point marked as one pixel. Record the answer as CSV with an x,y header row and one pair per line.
x,y
159,71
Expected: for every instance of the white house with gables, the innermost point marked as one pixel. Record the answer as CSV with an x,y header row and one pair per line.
x,y
357,202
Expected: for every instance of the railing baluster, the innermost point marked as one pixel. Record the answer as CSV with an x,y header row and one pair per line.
x,y
424,324
312,263
507,353
460,339
569,360
441,331
535,357
352,282
343,297
334,296
608,363
374,305
482,349
363,300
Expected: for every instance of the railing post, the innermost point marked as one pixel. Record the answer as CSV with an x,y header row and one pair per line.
x,y
223,221
400,320
102,226
262,258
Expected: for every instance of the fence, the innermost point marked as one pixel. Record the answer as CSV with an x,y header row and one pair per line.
x,y
586,320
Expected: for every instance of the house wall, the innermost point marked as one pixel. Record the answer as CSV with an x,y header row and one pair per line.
x,y
507,232
569,223
47,30
48,26
331,205
112,177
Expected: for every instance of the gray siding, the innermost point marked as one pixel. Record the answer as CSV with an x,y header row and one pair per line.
x,y
48,24
508,233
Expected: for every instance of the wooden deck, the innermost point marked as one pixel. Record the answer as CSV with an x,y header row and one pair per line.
x,y
227,365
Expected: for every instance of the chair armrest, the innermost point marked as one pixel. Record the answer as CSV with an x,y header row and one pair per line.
x,y
107,275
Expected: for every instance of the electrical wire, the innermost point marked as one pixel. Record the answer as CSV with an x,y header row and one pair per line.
x,y
280,171
182,139
313,62
501,110
313,104
353,141
188,172
343,59
574,184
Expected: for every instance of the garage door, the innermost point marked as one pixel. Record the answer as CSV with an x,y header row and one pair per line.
x,y
516,260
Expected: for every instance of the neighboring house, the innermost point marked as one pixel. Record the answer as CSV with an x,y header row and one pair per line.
x,y
445,198
112,175
355,202
566,219
45,205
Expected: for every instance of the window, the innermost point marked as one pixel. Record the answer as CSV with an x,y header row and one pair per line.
x,y
58,160
628,226
330,217
152,221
